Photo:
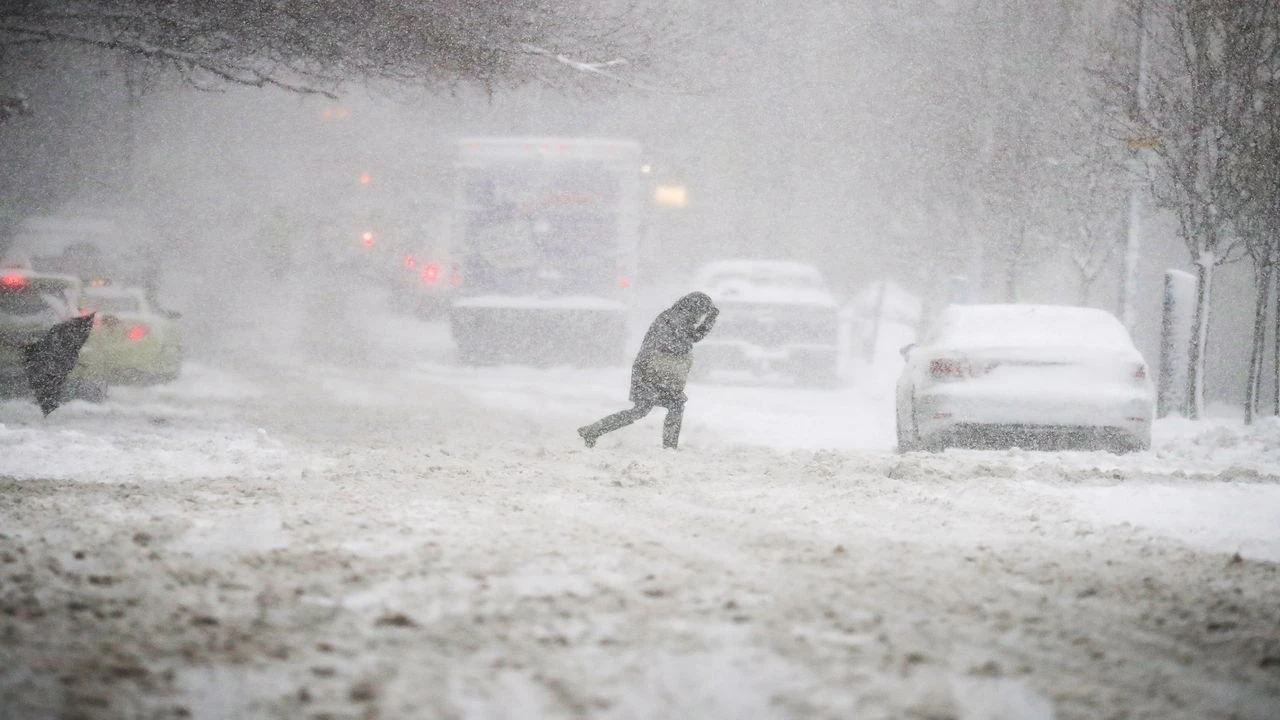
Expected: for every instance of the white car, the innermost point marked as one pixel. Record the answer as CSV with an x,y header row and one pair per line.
x,y
1030,376
775,316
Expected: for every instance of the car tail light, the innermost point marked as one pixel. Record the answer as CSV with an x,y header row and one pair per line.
x,y
624,282
368,239
410,261
12,281
430,273
136,332
956,368
1140,372
947,368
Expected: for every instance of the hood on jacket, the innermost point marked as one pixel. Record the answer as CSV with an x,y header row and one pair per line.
x,y
695,304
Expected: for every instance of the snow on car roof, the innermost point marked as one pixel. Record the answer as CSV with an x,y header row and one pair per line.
x,y
114,291
760,267
1033,325
763,281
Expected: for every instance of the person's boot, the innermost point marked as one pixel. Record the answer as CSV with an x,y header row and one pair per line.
x,y
588,437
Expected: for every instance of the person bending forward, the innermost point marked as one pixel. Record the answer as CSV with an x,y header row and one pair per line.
x,y
661,368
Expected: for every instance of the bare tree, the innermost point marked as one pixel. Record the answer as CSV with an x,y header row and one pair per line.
x,y
1205,57
1258,177
1264,256
1093,189
315,46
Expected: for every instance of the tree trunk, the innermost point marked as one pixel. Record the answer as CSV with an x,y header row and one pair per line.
x,y
1275,389
1258,349
1086,289
1199,338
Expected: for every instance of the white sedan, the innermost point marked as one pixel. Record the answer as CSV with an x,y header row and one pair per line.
x,y
1030,376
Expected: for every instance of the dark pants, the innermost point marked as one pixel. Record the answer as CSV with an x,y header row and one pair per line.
x,y
670,426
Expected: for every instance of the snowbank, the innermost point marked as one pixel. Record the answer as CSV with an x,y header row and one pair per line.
x,y
1220,443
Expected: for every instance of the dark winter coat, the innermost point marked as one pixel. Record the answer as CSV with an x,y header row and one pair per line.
x,y
661,368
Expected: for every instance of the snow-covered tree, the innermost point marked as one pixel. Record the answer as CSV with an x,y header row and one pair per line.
x,y
1205,63
315,46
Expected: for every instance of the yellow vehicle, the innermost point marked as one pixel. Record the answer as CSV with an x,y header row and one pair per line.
x,y
134,343
30,304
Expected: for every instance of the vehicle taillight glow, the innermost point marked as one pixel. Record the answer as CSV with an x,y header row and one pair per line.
x,y
430,272
948,368
624,282
137,332
368,239
1140,372
955,368
12,281
410,261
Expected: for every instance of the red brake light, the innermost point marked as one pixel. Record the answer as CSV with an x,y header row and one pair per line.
x,y
430,272
948,368
624,282
410,261
955,369
137,332
368,239
12,281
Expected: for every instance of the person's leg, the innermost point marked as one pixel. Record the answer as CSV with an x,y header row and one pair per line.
x,y
671,426
613,422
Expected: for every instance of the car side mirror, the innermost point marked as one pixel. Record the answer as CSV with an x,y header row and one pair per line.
x,y
905,351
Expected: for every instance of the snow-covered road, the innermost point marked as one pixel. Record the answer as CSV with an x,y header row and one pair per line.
x,y
386,535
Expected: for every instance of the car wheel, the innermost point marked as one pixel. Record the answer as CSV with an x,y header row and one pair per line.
x,y
906,443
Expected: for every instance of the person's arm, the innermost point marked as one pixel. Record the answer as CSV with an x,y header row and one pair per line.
x,y
702,328
670,336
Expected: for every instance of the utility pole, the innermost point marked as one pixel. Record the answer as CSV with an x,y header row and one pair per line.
x,y
1133,244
